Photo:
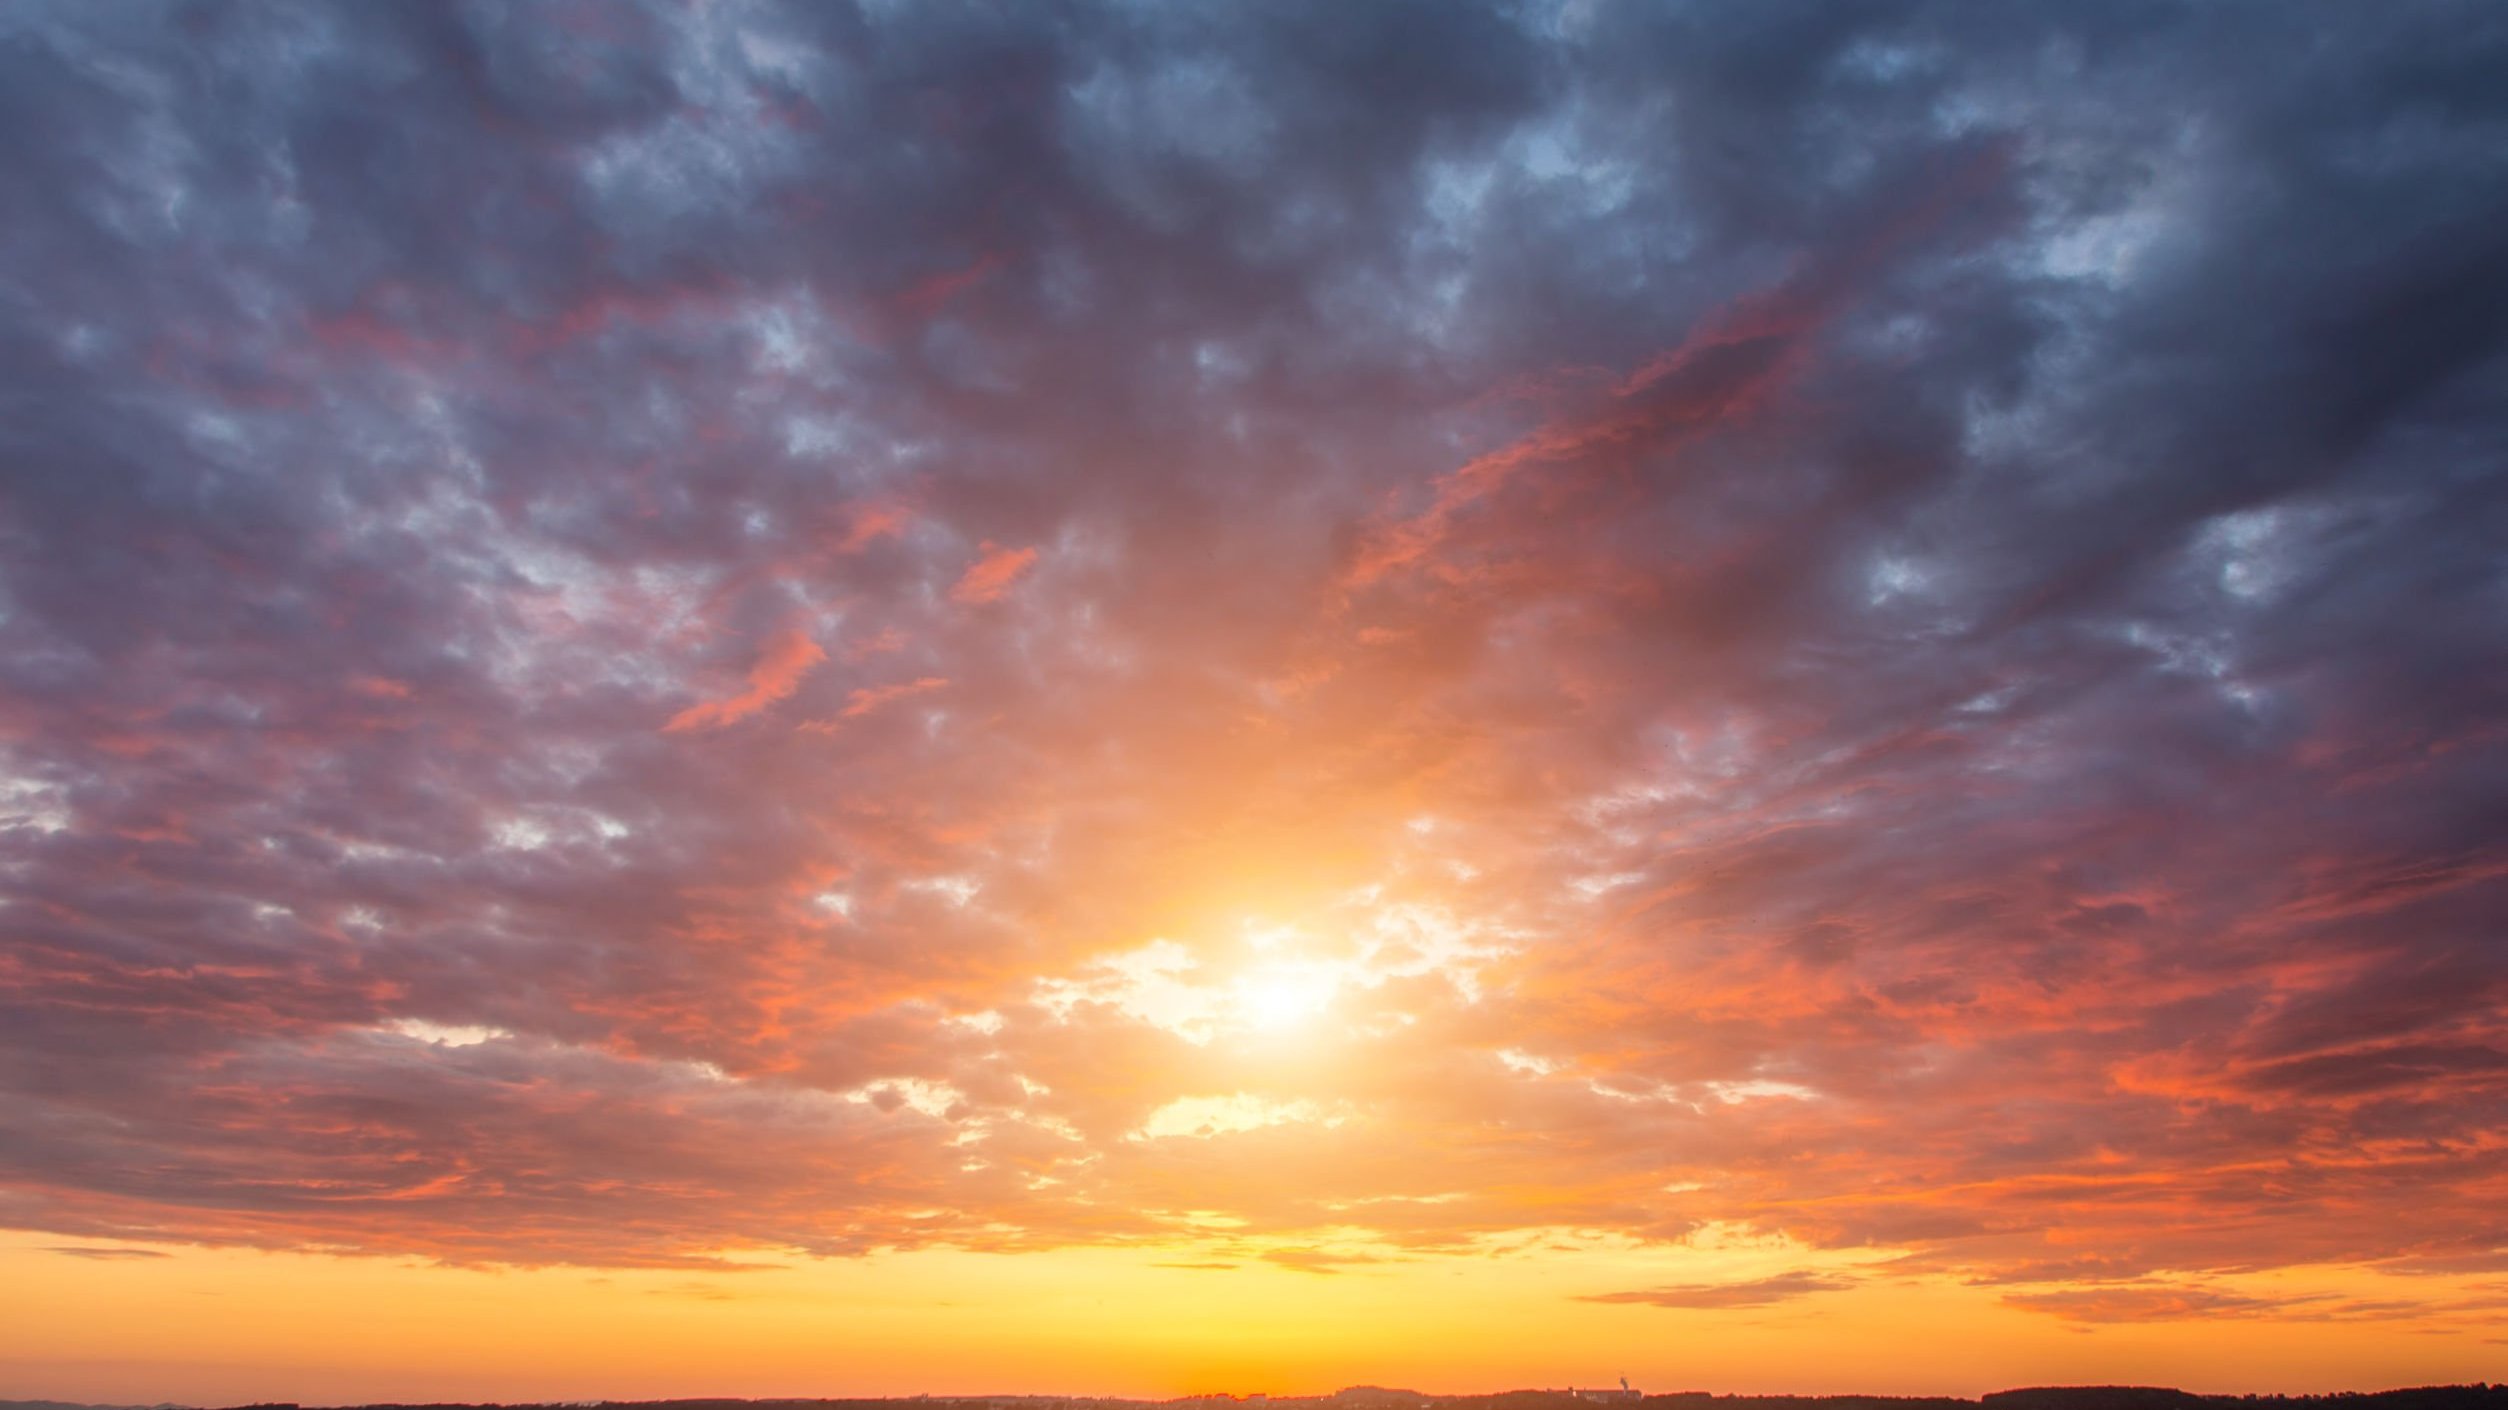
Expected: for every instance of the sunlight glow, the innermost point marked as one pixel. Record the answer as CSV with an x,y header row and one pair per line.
x,y
1283,996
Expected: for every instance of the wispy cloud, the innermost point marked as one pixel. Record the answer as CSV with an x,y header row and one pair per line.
x,y
990,577
776,676
1755,1292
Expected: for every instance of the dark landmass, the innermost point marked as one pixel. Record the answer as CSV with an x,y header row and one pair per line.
x,y
2479,1396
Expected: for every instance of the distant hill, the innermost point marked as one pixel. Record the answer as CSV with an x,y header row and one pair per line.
x,y
2094,1398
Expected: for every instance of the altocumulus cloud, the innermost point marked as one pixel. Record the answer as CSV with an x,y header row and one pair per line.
x,y
1879,624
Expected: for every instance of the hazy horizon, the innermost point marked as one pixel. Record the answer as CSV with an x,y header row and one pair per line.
x,y
2060,1397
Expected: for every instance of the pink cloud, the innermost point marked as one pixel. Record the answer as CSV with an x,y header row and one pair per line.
x,y
777,674
866,524
990,577
870,698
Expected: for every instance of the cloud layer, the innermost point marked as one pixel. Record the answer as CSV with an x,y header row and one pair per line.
x,y
630,633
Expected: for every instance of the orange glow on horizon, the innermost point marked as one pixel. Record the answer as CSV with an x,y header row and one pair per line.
x,y
1154,1323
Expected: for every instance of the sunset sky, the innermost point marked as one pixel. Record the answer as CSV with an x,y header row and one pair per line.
x,y
727,698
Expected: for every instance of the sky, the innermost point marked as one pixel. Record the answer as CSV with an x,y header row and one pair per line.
x,y
736,698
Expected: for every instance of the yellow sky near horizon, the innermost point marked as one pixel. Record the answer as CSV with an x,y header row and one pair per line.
x,y
222,1326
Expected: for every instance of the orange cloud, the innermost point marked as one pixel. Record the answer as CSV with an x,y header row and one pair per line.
x,y
871,522
863,702
870,698
778,674
993,573
1756,1292
2152,1302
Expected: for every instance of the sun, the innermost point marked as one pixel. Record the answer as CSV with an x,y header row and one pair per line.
x,y
1283,995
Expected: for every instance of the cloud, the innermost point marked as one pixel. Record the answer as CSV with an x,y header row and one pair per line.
x,y
2143,1303
1756,1292
864,701
990,577
2185,1302
871,523
777,675
1316,1260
